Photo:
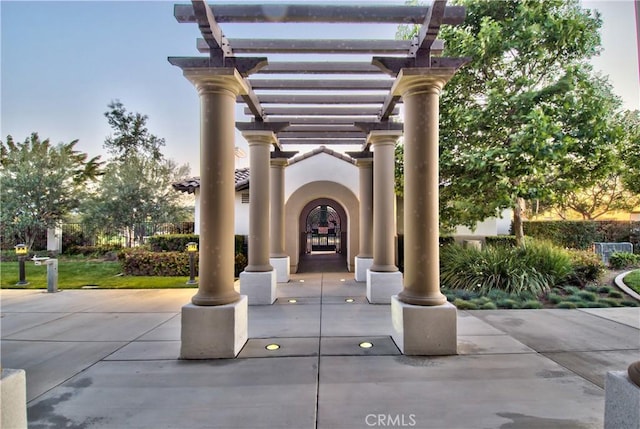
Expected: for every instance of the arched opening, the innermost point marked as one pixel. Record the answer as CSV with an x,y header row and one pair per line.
x,y
323,237
323,228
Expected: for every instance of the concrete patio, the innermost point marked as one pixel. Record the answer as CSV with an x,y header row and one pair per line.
x,y
108,359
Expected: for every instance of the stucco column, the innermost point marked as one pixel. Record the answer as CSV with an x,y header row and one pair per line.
x,y
383,278
218,89
365,167
215,324
424,323
278,258
259,145
420,94
383,143
364,259
258,280
277,207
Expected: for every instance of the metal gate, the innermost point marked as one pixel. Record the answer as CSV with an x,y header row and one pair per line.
x,y
323,230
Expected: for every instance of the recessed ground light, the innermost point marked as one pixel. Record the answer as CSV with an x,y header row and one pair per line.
x,y
272,347
348,300
301,281
293,301
365,345
342,280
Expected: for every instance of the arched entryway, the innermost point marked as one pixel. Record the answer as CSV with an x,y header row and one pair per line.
x,y
323,237
323,224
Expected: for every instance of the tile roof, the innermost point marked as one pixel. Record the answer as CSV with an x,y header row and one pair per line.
x,y
190,184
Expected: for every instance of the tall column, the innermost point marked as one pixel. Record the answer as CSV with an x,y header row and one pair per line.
x,y
216,304
383,278
258,280
424,322
277,257
364,259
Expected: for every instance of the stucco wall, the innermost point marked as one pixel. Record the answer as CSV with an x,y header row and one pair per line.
x,y
241,214
320,167
309,192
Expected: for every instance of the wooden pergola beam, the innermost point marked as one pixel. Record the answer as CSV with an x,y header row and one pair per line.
x,y
319,67
322,120
323,141
306,46
321,134
281,13
324,111
321,99
210,30
428,32
322,84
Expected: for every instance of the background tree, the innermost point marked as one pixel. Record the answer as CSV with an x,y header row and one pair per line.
x,y
41,183
631,151
527,118
135,190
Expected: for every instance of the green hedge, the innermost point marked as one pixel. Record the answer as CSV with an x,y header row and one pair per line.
x,y
171,242
141,262
501,240
582,234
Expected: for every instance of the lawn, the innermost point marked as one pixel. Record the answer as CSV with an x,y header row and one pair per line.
x,y
78,274
633,280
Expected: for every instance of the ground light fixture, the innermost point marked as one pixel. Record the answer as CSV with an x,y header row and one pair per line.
x,y
21,251
365,345
272,347
349,300
293,301
192,249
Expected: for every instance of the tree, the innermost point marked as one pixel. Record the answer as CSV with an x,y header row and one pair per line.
x,y
631,151
131,135
527,118
41,183
608,195
136,187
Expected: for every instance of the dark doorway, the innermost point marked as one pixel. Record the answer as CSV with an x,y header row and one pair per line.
x,y
323,237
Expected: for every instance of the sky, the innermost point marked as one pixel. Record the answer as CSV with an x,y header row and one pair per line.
x,y
63,62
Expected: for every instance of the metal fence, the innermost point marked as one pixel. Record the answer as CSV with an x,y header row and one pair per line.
x,y
78,234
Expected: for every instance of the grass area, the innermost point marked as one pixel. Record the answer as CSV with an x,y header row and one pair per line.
x,y
592,296
633,280
74,274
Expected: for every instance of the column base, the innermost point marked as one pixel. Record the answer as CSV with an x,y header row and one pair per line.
x,y
214,332
281,267
259,287
381,286
362,265
621,399
424,330
13,391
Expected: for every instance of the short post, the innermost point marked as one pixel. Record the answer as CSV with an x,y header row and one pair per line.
x,y
52,275
21,251
192,249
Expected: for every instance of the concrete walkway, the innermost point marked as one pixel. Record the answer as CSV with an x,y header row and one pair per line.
x,y
108,359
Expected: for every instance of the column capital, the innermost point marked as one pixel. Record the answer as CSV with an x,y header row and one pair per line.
x,y
279,162
418,80
259,137
364,162
215,79
381,137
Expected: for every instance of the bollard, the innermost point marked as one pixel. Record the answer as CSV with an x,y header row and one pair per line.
x,y
21,251
52,275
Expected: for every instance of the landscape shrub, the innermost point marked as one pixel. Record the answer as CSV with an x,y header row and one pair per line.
x,y
587,296
489,306
629,303
587,267
171,242
500,240
141,262
532,270
461,304
582,234
621,260
241,263
93,251
615,294
531,304
567,305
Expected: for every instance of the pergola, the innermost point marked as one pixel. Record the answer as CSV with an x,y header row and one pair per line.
x,y
319,102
